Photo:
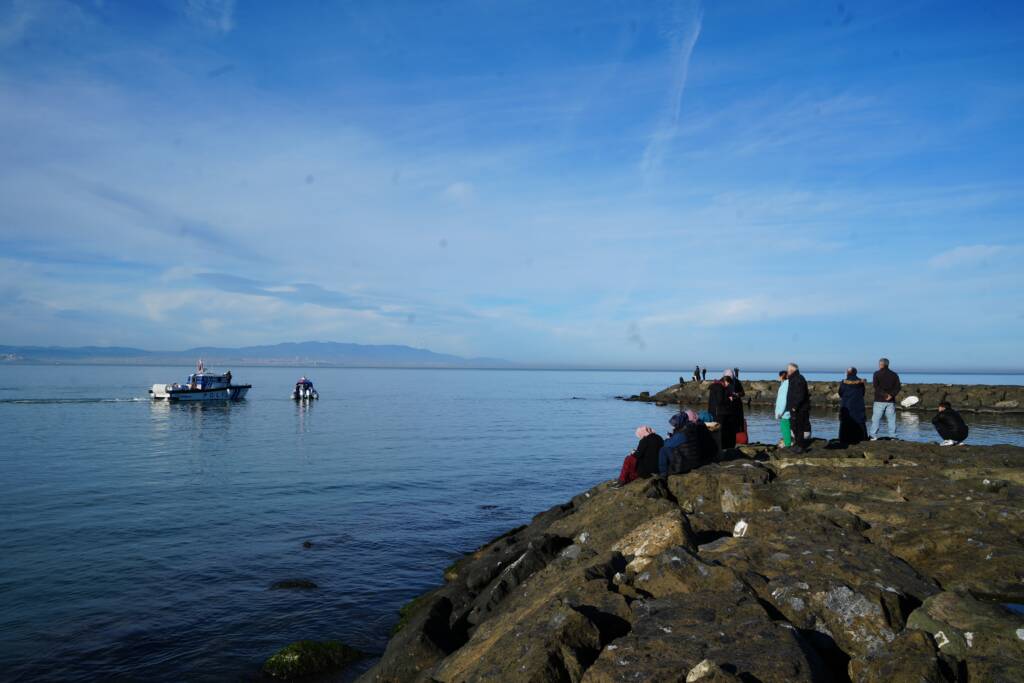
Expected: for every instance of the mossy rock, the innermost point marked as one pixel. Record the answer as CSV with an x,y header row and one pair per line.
x,y
308,658
409,609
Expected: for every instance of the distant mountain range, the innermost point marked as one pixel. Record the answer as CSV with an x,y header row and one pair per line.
x,y
290,353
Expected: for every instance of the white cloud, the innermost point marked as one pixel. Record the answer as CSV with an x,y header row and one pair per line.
x,y
966,255
458,191
218,15
683,35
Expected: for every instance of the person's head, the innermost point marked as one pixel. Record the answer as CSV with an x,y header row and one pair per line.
x,y
643,430
945,405
727,372
691,415
678,420
792,369
883,363
851,373
727,381
783,375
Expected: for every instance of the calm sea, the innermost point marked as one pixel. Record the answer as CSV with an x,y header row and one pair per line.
x,y
140,540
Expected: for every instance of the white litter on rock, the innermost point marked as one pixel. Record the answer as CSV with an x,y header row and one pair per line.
x,y
739,531
698,672
941,640
1020,633
969,637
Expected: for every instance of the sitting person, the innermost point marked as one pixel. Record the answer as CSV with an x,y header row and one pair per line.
x,y
643,461
950,426
675,439
690,446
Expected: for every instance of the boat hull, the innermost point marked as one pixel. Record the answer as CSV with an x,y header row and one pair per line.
x,y
229,393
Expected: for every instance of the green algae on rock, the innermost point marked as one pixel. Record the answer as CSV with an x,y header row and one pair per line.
x,y
306,658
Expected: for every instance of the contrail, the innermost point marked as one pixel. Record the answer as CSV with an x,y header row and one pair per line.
x,y
683,35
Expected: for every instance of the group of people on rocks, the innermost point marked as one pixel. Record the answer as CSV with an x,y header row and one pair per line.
x,y
691,444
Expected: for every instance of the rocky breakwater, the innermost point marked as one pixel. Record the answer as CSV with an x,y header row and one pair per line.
x,y
888,561
970,398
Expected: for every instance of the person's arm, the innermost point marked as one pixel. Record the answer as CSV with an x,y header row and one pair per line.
x,y
896,385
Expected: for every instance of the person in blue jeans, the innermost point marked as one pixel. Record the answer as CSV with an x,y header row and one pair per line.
x,y
887,386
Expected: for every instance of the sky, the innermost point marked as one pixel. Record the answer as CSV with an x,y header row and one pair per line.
x,y
597,183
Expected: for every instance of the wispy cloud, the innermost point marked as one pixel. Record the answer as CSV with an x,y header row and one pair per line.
x,y
218,15
683,32
966,256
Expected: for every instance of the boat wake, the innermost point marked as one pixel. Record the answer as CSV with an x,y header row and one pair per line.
x,y
44,401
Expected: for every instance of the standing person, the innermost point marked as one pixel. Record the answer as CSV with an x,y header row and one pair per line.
x,y
722,404
950,425
737,389
852,415
704,375
696,373
798,403
781,414
887,386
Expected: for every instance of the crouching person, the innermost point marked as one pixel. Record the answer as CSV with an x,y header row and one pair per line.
x,y
643,461
950,426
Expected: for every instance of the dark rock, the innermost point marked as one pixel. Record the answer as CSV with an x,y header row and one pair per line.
x,y
307,658
307,544
293,584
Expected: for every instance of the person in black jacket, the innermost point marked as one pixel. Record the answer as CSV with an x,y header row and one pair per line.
x,y
887,386
647,451
798,404
723,405
852,416
950,425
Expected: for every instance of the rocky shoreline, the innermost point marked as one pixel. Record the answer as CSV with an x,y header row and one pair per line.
x,y
887,561
969,398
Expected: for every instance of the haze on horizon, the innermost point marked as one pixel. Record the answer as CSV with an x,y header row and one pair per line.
x,y
578,183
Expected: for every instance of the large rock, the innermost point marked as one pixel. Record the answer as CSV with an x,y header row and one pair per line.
x,y
965,398
854,564
306,658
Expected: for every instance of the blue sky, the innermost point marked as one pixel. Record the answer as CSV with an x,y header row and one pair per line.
x,y
597,183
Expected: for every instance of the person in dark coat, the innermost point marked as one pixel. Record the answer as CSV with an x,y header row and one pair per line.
x,y
950,425
647,451
696,373
737,389
798,404
853,426
703,374
723,404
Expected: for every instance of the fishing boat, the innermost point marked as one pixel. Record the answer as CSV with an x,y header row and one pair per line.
x,y
201,385
304,390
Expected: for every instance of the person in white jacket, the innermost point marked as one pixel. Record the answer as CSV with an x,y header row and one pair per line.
x,y
781,414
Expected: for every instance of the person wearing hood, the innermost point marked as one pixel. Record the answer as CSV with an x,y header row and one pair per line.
x,y
725,407
853,427
643,461
781,414
798,403
950,425
675,439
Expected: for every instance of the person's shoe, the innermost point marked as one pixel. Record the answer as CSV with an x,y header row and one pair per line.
x,y
874,438
948,442
959,443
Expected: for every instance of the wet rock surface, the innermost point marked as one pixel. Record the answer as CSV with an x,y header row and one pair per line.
x,y
887,561
967,398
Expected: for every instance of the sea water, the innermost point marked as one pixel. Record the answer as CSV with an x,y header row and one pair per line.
x,y
140,539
